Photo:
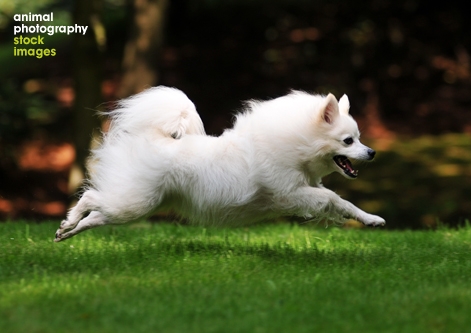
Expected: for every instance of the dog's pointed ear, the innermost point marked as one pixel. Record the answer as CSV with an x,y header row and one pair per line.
x,y
344,105
330,111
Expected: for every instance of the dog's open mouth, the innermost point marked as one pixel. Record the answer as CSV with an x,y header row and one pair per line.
x,y
344,163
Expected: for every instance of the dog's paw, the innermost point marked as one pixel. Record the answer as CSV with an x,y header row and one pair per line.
x,y
373,220
66,225
58,236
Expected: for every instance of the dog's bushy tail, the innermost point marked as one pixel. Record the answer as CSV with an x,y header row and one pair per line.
x,y
160,110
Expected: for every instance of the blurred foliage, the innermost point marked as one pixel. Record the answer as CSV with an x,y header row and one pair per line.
x,y
407,59
10,7
404,64
22,112
29,93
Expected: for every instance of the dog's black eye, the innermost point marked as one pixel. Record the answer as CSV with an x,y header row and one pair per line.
x,y
348,141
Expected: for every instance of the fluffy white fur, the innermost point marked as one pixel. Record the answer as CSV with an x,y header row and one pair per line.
x,y
156,155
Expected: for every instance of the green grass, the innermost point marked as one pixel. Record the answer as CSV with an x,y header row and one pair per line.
x,y
273,278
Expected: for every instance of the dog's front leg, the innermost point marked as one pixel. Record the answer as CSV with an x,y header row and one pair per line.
x,y
349,210
318,200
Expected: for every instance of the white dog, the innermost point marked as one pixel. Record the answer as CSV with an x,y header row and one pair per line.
x,y
156,156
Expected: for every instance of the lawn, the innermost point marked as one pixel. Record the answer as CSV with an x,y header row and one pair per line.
x,y
269,278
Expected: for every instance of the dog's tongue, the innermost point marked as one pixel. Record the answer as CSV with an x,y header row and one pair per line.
x,y
348,165
344,163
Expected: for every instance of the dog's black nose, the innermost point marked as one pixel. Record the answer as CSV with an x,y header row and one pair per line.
x,y
371,153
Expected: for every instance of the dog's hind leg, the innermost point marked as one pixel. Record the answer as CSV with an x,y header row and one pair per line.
x,y
87,203
94,219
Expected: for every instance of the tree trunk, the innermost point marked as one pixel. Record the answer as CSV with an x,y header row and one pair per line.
x,y
87,64
141,54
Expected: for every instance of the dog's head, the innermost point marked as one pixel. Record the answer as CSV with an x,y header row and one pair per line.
x,y
340,137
